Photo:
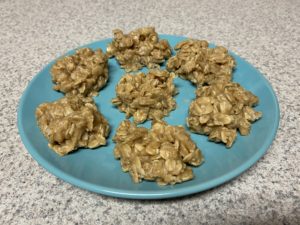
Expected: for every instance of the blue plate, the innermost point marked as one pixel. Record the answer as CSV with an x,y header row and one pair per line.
x,y
98,171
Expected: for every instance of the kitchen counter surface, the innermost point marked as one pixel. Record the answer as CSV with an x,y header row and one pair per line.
x,y
265,33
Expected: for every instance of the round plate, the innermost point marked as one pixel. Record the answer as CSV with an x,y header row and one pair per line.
x,y
97,170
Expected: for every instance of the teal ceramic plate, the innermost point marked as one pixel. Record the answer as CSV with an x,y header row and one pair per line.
x,y
98,171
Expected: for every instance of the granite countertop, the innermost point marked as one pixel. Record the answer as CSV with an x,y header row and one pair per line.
x,y
266,33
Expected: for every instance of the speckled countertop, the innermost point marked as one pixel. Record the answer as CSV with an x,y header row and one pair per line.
x,y
266,33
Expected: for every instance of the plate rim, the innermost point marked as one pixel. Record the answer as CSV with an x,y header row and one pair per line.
x,y
163,194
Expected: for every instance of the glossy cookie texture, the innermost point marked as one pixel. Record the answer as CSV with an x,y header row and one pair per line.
x,y
221,109
141,47
161,154
84,72
72,122
146,96
196,62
